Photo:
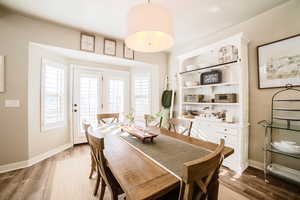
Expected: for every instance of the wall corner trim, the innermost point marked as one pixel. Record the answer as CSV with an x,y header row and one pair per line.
x,y
256,164
34,160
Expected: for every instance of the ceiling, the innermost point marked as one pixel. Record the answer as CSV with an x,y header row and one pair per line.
x,y
192,18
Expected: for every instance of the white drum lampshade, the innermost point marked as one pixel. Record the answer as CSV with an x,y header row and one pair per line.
x,y
149,28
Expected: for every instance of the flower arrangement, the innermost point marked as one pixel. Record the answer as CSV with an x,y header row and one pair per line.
x,y
130,116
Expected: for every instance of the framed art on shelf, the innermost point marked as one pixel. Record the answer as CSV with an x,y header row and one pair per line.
x,y
109,47
87,42
279,63
212,77
127,52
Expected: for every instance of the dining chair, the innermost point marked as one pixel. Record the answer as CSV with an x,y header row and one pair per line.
x,y
113,116
107,178
180,126
93,162
200,175
151,120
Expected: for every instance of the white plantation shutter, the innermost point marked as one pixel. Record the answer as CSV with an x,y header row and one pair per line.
x,y
53,95
89,98
142,94
116,96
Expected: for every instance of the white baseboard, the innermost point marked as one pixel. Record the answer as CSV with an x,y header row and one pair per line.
x,y
13,166
256,164
34,160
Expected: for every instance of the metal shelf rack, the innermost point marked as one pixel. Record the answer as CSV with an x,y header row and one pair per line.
x,y
281,122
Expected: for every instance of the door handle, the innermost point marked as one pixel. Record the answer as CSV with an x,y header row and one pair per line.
x,y
75,110
75,105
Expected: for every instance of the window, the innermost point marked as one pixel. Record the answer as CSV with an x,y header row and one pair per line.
x,y
53,95
142,94
116,96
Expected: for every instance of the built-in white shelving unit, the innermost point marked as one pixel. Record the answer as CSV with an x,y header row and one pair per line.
x,y
234,80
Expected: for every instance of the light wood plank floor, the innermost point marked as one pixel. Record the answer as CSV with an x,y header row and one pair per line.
x,y
65,177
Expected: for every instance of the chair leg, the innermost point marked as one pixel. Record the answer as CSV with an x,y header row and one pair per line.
x,y
93,166
102,189
97,184
115,196
181,191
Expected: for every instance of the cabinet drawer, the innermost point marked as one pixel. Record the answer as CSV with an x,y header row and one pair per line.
x,y
230,141
226,131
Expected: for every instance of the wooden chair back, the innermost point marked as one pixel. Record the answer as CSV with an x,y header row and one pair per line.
x,y
85,127
176,124
93,162
156,121
198,174
113,116
97,147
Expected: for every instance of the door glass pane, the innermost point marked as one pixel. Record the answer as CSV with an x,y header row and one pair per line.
x,y
142,91
116,96
89,99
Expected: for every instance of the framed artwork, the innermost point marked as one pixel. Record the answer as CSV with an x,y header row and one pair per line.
x,y
87,42
127,52
212,77
279,63
109,47
2,74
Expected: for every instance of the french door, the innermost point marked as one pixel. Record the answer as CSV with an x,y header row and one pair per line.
x,y
95,92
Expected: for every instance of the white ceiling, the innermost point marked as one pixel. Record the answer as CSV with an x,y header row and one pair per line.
x,y
192,18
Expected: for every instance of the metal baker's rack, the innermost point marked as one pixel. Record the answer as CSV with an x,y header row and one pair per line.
x,y
285,118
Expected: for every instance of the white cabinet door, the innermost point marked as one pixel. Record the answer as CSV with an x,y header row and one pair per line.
x,y
203,131
230,141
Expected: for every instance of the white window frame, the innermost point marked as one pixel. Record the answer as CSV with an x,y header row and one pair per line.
x,y
62,123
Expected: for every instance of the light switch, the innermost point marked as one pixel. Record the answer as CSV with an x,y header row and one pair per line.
x,y
12,103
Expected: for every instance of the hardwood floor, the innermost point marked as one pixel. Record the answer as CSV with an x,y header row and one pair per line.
x,y
65,176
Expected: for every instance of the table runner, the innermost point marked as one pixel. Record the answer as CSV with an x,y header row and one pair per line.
x,y
168,152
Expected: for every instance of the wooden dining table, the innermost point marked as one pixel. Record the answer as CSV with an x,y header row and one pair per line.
x,y
140,176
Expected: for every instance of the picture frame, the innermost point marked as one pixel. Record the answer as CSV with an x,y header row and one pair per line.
x,y
87,42
127,52
212,77
110,47
2,74
278,63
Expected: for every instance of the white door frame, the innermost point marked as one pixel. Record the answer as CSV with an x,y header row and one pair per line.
x,y
73,68
77,71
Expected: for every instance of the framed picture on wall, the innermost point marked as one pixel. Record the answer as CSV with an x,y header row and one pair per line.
x,y
2,74
87,42
279,63
127,52
110,47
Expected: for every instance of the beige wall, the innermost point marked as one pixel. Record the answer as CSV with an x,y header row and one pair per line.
x,y
16,32
280,22
41,142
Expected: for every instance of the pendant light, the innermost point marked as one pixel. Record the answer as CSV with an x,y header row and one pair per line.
x,y
149,28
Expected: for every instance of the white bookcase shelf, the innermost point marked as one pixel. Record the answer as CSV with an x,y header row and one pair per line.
x,y
234,80
212,85
212,104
